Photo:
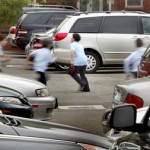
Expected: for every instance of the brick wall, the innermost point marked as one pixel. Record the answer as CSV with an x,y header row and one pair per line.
x,y
120,5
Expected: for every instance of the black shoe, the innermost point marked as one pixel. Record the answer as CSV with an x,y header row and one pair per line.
x,y
84,89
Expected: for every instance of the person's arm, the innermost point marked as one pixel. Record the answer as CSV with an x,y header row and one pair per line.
x,y
72,56
4,58
26,64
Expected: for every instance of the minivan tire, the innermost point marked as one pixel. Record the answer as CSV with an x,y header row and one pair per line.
x,y
93,62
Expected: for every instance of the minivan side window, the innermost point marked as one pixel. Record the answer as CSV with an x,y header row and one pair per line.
x,y
86,25
146,25
120,24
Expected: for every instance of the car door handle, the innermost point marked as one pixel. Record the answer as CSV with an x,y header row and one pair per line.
x,y
135,37
146,37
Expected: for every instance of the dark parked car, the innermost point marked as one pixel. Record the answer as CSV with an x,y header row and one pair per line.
x,y
125,118
38,21
54,136
14,103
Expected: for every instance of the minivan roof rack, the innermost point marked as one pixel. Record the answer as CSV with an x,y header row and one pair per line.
x,y
53,6
123,11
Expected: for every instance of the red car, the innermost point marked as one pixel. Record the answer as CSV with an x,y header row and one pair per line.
x,y
144,67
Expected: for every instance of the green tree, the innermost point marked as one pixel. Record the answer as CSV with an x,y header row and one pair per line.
x,y
10,10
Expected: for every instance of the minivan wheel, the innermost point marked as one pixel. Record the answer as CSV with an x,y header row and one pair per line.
x,y
93,62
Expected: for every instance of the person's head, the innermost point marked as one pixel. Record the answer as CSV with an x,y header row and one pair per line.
x,y
3,40
76,37
139,42
48,43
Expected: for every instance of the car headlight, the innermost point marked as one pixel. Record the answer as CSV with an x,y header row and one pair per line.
x,y
42,92
117,95
91,147
11,100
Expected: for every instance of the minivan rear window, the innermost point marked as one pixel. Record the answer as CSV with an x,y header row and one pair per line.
x,y
36,18
87,25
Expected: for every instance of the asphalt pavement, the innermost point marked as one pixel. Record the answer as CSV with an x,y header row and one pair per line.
x,y
79,109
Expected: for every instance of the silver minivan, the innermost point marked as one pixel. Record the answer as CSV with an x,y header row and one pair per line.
x,y
107,37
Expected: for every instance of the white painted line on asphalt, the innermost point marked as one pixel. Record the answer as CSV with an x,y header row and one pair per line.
x,y
82,107
12,66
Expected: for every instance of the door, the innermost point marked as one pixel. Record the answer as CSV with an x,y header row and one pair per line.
x,y
145,30
117,38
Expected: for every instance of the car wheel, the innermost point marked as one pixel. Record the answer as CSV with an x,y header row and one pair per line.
x,y
93,62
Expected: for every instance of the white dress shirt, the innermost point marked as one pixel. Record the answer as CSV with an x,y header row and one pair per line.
x,y
132,62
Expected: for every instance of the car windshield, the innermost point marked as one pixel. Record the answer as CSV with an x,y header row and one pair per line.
x,y
61,24
147,52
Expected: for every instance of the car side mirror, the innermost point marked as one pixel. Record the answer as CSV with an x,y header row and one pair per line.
x,y
123,117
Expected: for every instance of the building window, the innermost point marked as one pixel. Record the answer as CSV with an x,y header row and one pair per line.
x,y
134,3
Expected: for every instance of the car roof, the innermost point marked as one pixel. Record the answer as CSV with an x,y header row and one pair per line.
x,y
47,11
50,6
47,7
110,13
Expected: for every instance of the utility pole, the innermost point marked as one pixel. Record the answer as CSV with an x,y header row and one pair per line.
x,y
109,4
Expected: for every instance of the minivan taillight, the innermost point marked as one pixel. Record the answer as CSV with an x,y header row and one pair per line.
x,y
37,45
60,36
22,32
132,99
13,31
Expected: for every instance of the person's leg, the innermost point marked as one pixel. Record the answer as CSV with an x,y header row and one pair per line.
x,y
42,77
84,80
134,74
75,75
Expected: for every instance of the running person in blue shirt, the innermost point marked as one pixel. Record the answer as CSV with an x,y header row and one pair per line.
x,y
41,59
79,61
131,63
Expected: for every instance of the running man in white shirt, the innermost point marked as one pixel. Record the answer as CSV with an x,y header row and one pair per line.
x,y
131,63
3,58
41,59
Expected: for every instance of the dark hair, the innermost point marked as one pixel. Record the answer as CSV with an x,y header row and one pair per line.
x,y
139,42
76,37
2,37
47,43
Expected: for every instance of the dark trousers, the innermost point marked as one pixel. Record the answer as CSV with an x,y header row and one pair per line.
x,y
42,77
134,74
82,80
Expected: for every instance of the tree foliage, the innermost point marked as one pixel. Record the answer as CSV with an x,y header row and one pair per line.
x,y
10,10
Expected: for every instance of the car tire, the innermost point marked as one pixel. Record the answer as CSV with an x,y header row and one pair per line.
x,y
93,62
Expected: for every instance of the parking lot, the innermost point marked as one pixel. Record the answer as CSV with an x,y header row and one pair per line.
x,y
83,110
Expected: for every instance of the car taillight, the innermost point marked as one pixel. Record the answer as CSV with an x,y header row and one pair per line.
x,y
22,32
37,45
132,99
4,111
60,36
13,31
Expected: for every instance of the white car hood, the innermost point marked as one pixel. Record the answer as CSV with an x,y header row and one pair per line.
x,y
23,85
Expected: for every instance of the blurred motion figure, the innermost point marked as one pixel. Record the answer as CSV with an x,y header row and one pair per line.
x,y
41,59
3,57
131,63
